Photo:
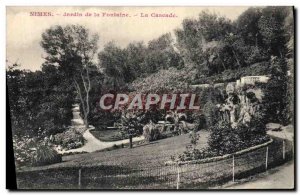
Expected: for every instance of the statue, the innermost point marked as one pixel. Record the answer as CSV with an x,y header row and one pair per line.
x,y
228,110
240,106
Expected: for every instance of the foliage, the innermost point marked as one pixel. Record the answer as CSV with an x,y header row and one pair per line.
x,y
151,132
164,80
130,123
33,151
257,69
226,140
123,66
198,119
178,119
40,100
46,155
200,41
210,113
112,60
69,139
72,48
161,55
213,44
276,103
271,25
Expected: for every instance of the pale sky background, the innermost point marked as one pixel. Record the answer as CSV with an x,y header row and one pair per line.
x,y
24,31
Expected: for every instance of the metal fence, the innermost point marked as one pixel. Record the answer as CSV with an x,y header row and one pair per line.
x,y
189,176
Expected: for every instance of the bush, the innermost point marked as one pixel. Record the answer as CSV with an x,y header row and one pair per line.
x,y
31,151
69,139
151,132
24,149
210,113
227,140
46,155
260,68
224,139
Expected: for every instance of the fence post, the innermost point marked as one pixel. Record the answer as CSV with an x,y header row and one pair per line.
x,y
283,149
267,154
178,176
79,178
232,168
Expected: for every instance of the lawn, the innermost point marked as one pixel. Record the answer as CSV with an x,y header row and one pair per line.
x,y
106,135
142,168
144,155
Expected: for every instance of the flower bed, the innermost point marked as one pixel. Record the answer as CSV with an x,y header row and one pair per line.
x,y
69,139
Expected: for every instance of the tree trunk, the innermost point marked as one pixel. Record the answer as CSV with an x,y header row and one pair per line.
x,y
84,100
86,122
256,45
221,61
236,58
130,140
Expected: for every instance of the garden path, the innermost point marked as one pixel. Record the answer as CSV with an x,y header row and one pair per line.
x,y
92,144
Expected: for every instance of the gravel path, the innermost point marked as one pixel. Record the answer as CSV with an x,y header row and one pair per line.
x,y
92,144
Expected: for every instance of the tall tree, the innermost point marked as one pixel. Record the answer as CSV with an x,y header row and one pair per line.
x,y
112,61
162,54
271,27
72,49
135,58
40,102
201,42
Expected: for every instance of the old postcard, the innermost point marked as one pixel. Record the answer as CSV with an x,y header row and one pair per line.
x,y
143,98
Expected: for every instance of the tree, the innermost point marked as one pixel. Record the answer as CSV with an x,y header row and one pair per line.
x,y
276,103
289,29
111,60
201,42
40,102
135,58
247,26
271,25
161,54
72,49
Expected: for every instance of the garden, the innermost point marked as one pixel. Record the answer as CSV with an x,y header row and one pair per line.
x,y
230,118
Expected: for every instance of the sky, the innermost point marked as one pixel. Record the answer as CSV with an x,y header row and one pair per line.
x,y
23,32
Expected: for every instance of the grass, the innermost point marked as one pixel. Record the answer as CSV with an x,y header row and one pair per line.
x,y
145,155
148,154
106,169
106,135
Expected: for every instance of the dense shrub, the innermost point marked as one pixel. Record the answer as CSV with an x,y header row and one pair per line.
x,y
226,140
210,113
277,103
261,68
223,139
130,123
24,149
168,80
151,132
39,100
69,139
46,155
102,118
33,151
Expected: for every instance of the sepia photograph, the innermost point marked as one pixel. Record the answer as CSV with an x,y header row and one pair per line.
x,y
151,98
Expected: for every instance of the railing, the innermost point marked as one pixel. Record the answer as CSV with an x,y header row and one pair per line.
x,y
188,176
